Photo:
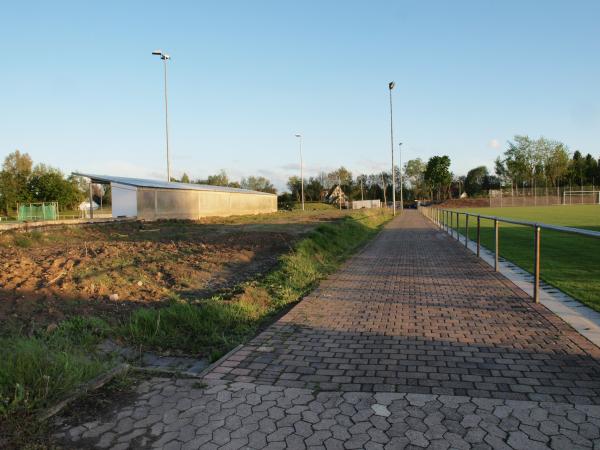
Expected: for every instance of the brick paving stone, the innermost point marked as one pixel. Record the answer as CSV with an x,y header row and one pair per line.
x,y
414,343
416,290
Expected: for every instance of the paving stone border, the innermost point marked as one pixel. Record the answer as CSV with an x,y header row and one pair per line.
x,y
173,414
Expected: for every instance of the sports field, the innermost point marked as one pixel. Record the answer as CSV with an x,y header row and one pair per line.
x,y
569,262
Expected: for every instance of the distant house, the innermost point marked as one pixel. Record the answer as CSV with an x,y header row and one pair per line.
x,y
336,196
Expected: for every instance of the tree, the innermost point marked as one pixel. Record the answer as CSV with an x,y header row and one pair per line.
x,y
414,171
475,180
47,184
438,175
556,164
185,178
313,189
261,184
591,168
294,185
219,179
14,176
361,188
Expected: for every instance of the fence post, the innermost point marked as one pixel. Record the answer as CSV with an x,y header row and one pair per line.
x,y
467,230
497,246
536,282
457,226
478,234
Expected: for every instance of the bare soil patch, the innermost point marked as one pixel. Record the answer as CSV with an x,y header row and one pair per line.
x,y
108,270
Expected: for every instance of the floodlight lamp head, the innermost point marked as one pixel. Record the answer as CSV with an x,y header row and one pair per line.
x,y
157,52
391,85
298,135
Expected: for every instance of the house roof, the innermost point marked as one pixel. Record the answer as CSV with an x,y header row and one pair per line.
x,y
140,182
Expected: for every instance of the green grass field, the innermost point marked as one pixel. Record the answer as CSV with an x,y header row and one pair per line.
x,y
569,262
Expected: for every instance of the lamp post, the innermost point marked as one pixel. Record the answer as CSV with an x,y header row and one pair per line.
x,y
391,85
299,136
401,179
166,58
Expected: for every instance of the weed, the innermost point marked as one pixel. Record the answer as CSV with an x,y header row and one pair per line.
x,y
36,371
199,385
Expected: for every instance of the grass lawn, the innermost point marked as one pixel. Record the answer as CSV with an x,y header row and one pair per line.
x,y
569,262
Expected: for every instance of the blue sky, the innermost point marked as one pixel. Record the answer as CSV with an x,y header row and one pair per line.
x,y
81,91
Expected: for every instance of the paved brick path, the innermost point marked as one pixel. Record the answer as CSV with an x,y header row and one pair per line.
x,y
414,342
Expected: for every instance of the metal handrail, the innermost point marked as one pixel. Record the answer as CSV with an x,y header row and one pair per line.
x,y
444,219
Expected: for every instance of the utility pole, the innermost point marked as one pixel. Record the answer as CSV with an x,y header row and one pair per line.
x,y
362,194
391,85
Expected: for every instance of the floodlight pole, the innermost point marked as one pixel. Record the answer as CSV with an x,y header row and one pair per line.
x,y
391,86
299,136
165,58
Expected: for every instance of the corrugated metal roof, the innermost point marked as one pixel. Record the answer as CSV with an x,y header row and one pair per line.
x,y
139,182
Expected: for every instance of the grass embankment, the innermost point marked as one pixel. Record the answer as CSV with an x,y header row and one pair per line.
x,y
214,326
569,262
36,371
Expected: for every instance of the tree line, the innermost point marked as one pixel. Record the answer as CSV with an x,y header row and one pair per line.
x,y
534,163
420,180
221,178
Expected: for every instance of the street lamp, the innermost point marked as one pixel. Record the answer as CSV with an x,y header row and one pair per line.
x,y
165,58
391,85
299,136
401,179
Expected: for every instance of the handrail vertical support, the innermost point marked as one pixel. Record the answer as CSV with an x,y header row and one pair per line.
x,y
536,282
478,235
457,226
451,224
497,246
467,230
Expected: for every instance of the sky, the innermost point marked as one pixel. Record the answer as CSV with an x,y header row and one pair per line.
x,y
81,91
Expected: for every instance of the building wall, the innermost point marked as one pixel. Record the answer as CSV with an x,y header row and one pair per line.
x,y
153,203
359,204
124,200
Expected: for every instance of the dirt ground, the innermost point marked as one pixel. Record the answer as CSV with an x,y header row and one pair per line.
x,y
108,270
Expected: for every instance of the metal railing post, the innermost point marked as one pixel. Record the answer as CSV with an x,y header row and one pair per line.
x,y
451,223
457,226
536,283
497,244
478,234
467,230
